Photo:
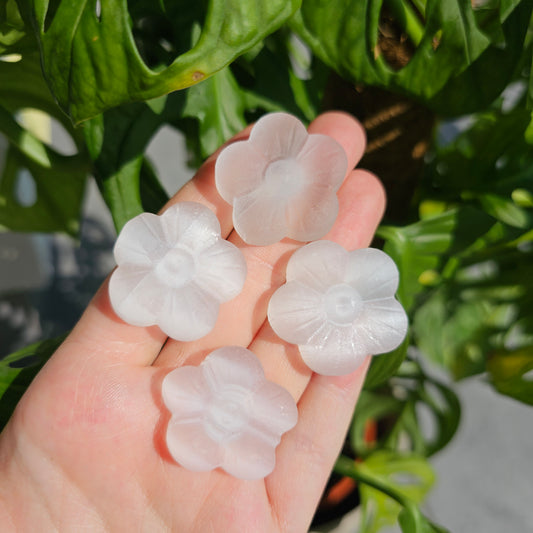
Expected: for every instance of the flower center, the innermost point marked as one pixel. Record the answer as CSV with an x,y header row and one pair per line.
x,y
176,268
284,177
343,303
226,414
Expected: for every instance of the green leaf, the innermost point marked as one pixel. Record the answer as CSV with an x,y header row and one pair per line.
x,y
92,63
13,36
508,372
219,104
271,82
385,365
454,49
389,482
485,163
447,329
482,81
116,141
409,476
402,409
58,201
372,407
17,371
153,195
506,210
412,520
59,180
423,247
440,404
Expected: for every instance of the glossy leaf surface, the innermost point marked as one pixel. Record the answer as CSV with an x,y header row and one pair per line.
x,y
453,44
92,62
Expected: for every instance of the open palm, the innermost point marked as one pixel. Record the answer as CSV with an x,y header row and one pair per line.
x,y
85,450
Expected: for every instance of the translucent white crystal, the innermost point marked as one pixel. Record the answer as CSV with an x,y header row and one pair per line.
x,y
338,306
282,181
224,413
174,270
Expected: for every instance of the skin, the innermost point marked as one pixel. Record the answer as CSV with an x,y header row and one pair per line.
x,y
85,451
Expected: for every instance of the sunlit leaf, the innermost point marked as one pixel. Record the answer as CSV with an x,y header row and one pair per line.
x,y
218,104
58,180
92,63
388,482
17,371
426,244
510,373
453,47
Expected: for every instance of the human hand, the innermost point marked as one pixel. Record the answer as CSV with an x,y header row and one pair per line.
x,y
85,450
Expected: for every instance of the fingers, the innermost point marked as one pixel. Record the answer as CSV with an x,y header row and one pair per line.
x,y
306,455
100,336
240,319
362,202
103,335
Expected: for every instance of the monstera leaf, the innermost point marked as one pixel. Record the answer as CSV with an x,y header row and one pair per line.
x,y
59,179
91,59
456,45
392,486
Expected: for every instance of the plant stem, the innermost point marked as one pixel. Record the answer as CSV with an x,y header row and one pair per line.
x,y
348,467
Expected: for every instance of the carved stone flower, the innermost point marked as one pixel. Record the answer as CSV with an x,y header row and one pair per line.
x,y
226,414
338,306
282,181
174,270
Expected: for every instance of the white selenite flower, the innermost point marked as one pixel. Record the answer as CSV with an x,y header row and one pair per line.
x,y
224,413
338,306
174,270
282,181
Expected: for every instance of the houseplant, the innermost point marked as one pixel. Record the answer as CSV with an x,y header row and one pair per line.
x,y
459,221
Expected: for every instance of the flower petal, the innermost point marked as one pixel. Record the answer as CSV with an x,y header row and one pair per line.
x,y
221,270
324,161
139,240
191,225
295,312
334,352
185,392
187,313
382,326
318,265
239,170
278,135
191,447
274,412
232,365
259,220
311,215
373,273
249,457
339,350
135,294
